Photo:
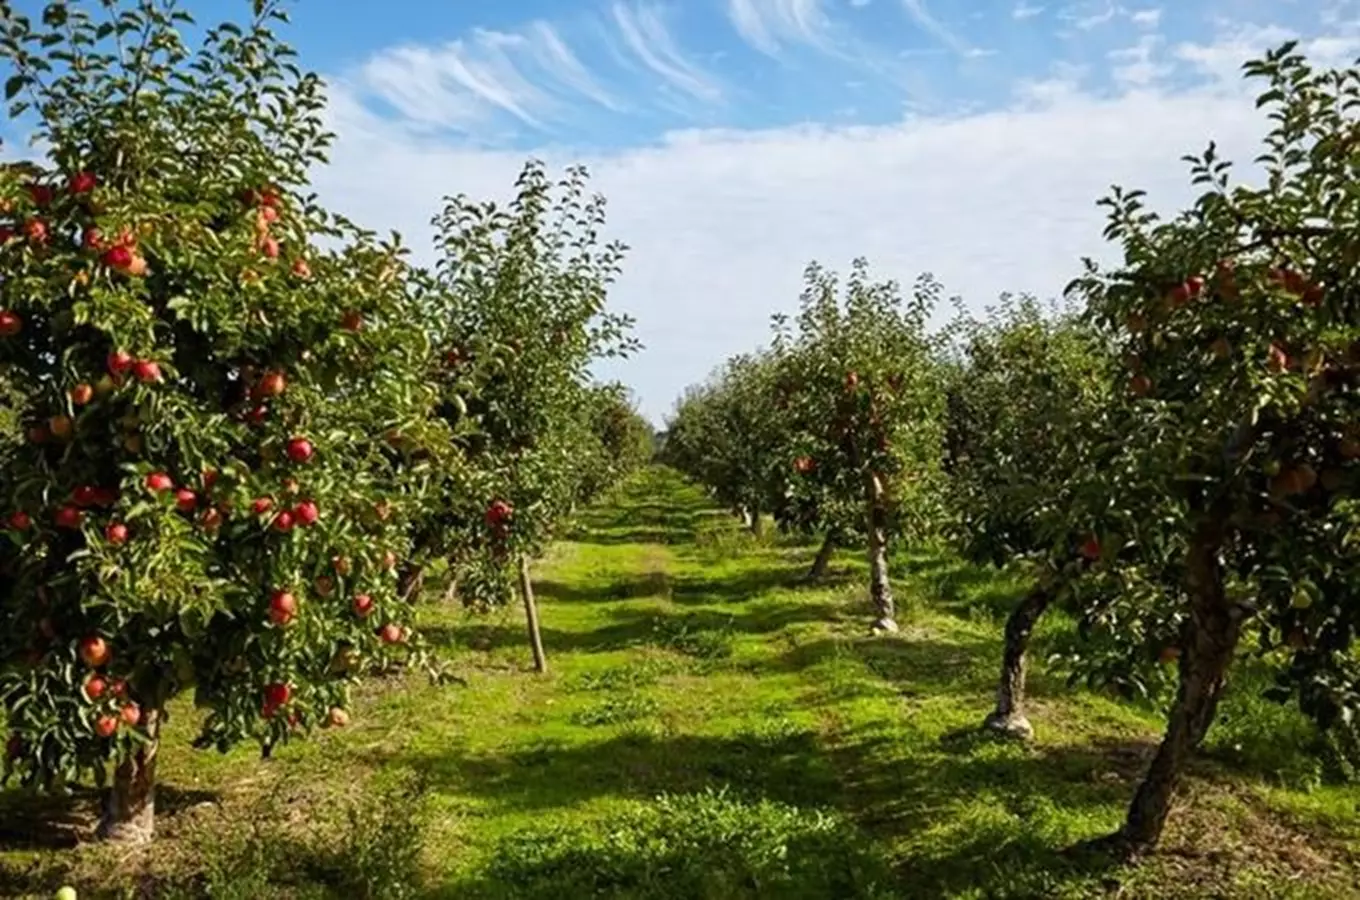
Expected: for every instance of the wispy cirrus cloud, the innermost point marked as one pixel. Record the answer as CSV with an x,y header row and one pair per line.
x,y
1023,11
928,23
643,29
767,25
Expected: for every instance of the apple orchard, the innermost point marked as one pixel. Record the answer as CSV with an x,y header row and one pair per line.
x,y
246,436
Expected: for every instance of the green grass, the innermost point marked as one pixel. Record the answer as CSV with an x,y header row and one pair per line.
x,y
713,727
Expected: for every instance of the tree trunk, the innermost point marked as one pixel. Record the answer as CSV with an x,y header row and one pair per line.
x,y
129,815
823,560
1009,716
1211,637
757,522
526,589
880,590
410,582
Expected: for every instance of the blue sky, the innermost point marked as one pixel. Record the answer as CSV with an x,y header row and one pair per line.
x,y
737,140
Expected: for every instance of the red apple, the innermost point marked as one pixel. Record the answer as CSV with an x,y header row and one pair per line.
x,y
277,694
390,633
282,607
69,517
106,726
94,651
36,231
352,321
41,194
20,520
1090,549
131,714
299,450
146,371
341,564
95,687
10,323
269,246
60,427
261,505
119,362
158,482
119,688
81,182
210,519
301,269
337,717
271,384
363,605
118,257
284,521
92,239
258,414
82,394
116,533
85,495
306,513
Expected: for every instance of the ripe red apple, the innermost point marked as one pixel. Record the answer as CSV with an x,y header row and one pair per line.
x,y
301,269
299,450
498,512
119,362
20,520
60,427
284,521
41,194
6,234
95,687
116,533
146,371
257,414
306,513
36,231
186,500
10,323
363,605
341,564
390,633
210,519
81,182
282,607
271,384
92,239
131,714
804,464
266,216
94,651
69,517
1090,549
851,381
119,688
85,495
82,394
118,257
269,246
38,434
105,496
352,321
261,505
106,726
277,694
159,482
337,717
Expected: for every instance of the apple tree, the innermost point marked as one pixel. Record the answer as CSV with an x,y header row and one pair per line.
x,y
861,389
196,504
1237,323
521,292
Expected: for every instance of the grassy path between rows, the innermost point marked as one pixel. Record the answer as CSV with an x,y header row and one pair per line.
x,y
712,727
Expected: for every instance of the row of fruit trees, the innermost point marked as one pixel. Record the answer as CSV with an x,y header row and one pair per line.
x,y
240,429
1174,455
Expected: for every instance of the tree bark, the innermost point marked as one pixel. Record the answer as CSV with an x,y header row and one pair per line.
x,y
1211,637
410,582
757,522
823,560
526,589
880,590
129,815
1009,716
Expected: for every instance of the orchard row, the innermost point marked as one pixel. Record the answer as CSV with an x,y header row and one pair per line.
x,y
1174,454
242,429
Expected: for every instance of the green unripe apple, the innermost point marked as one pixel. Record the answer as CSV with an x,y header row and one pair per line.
x,y
66,893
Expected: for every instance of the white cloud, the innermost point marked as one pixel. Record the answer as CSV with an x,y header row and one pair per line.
x,y
767,24
1146,18
1024,11
644,32
927,22
721,222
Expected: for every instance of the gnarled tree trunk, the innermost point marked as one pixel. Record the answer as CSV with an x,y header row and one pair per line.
x,y
410,582
880,590
526,589
1009,716
1211,637
129,815
823,560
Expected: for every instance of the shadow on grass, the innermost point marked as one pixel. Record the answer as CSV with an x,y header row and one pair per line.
x,y
890,788
35,822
